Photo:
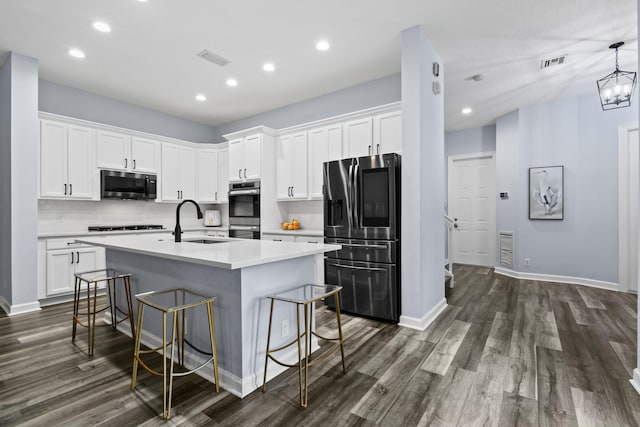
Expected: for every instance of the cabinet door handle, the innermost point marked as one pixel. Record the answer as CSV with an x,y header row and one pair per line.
x,y
377,148
134,163
125,163
77,257
245,173
70,189
71,257
368,149
65,189
277,240
292,191
216,196
178,196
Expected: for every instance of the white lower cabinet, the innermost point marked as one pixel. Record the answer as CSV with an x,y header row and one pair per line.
x,y
62,264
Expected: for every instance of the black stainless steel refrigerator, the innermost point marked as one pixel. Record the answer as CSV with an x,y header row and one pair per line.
x,y
362,213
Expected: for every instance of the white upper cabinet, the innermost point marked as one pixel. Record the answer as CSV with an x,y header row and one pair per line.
x,y
245,158
66,161
387,133
291,175
208,175
358,137
325,144
223,175
178,178
145,155
114,150
370,136
123,152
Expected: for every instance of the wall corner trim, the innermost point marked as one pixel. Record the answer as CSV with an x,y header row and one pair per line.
x,y
12,310
421,324
635,381
558,279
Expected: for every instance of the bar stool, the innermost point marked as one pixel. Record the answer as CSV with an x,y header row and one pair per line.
x,y
176,302
91,279
305,296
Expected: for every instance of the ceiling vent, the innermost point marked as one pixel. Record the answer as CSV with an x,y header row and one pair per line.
x,y
213,57
551,62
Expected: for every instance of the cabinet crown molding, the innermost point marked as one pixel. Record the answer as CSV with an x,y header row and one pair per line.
x,y
130,132
251,131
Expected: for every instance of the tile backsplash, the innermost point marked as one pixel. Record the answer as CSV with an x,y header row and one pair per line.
x,y
75,216
308,212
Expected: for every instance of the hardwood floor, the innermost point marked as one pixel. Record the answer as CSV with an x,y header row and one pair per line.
x,y
505,352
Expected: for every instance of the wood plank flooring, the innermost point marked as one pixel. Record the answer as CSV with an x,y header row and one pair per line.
x,y
505,352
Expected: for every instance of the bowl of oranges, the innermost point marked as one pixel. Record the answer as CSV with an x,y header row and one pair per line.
x,y
293,225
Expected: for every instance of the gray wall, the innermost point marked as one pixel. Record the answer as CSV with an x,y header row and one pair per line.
x,y
68,101
422,181
19,142
5,180
365,95
580,136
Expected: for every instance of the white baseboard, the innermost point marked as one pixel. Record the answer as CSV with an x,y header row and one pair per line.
x,y
558,279
422,323
12,310
635,381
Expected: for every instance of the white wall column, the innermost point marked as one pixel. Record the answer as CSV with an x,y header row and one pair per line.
x,y
19,139
636,372
423,181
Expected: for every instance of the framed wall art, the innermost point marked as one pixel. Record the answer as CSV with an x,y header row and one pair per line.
x,y
546,192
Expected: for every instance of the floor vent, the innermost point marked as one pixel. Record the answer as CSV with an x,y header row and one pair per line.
x,y
213,57
550,62
506,248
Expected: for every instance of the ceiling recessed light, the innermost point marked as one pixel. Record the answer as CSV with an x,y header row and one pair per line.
x,y
200,97
102,27
232,82
76,53
268,66
467,110
322,45
142,1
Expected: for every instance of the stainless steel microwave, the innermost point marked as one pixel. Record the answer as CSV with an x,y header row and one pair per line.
x,y
127,185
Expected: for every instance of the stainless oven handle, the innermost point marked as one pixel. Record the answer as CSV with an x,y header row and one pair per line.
x,y
357,268
244,227
363,246
243,192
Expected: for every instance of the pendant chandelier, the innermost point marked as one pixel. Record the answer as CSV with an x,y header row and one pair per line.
x,y
616,89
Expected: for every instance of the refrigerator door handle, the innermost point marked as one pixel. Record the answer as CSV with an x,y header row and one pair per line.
x,y
351,267
354,202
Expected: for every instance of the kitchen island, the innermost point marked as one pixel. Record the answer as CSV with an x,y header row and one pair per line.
x,y
240,274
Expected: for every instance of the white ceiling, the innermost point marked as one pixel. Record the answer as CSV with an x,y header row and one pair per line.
x,y
149,58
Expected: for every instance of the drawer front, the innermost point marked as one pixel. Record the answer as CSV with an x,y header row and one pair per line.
x,y
64,243
309,239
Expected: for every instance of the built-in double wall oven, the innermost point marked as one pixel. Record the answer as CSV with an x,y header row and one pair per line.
x,y
362,213
244,210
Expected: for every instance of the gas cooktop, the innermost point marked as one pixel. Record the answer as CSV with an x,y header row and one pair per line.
x,y
125,227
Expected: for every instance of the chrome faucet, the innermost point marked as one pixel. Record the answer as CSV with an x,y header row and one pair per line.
x,y
178,231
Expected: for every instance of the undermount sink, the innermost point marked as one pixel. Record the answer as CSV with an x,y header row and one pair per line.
x,y
203,241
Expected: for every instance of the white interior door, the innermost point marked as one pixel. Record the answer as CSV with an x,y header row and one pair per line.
x,y
628,207
472,200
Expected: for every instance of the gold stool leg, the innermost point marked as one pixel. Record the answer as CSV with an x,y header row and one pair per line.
x,y
113,303
337,303
76,307
174,328
266,355
164,364
307,350
136,347
299,353
93,314
127,291
214,353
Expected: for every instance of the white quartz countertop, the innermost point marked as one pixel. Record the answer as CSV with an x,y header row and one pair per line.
x,y
301,232
230,254
51,234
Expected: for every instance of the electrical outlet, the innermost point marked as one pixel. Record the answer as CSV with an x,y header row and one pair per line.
x,y
285,328
527,261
